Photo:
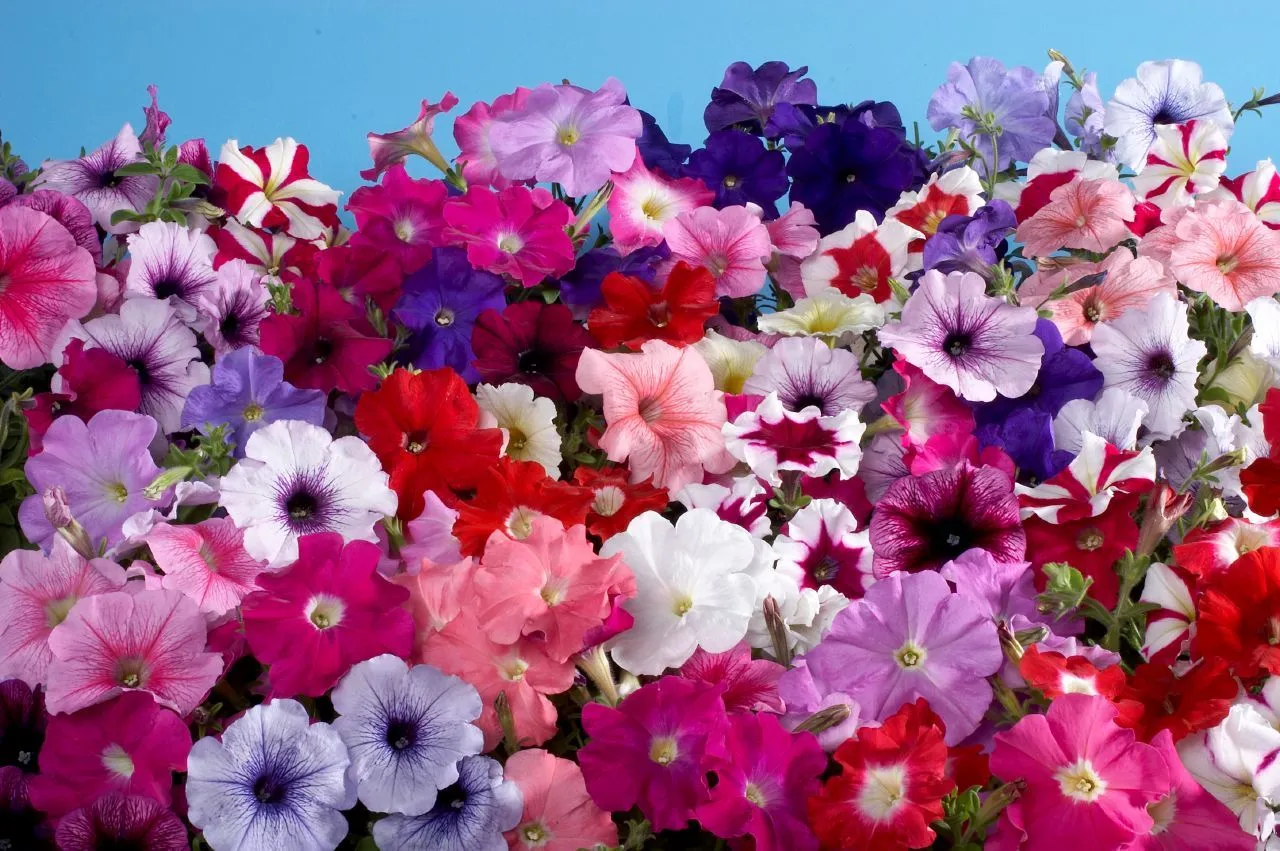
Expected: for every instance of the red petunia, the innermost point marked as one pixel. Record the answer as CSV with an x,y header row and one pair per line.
x,y
1206,550
93,380
509,496
422,427
1092,546
616,502
359,272
1196,701
1238,621
1056,675
326,345
891,786
531,343
1261,479
634,312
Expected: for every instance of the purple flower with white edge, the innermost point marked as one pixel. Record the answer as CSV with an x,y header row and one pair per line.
x,y
746,97
956,334
296,479
248,391
970,243
1149,354
806,372
1171,91
406,729
772,439
912,637
103,466
470,816
150,337
92,179
984,95
743,503
1085,116
171,263
740,170
823,546
273,781
1115,416
231,311
567,135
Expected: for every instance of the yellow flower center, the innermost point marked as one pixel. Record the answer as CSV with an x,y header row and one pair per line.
x,y
663,751
118,492
568,135
324,611
910,656
1080,782
253,412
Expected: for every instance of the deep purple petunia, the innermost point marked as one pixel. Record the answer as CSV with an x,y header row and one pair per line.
x,y
747,96
847,167
923,522
580,288
22,726
122,821
21,825
970,243
1026,436
740,170
440,305
657,151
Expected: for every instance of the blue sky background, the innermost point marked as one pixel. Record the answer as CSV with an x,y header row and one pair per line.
x,y
327,72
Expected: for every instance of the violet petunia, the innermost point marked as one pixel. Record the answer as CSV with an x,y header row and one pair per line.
x,y
970,243
747,96
740,170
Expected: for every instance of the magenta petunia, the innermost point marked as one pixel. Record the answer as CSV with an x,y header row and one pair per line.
x,y
750,685
45,279
400,217
388,149
518,232
471,132
207,562
151,641
772,440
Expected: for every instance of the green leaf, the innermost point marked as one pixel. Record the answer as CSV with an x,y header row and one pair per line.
x,y
136,168
189,174
123,216
9,477
171,158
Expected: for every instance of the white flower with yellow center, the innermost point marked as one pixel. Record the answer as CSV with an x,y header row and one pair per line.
x,y
731,361
830,315
528,423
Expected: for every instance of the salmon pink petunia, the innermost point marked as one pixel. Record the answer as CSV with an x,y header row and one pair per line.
x,y
207,562
1226,251
45,279
1126,281
117,642
270,188
662,411
518,232
558,814
1088,214
642,202
732,243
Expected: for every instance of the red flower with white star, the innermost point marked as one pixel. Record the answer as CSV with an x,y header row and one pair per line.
x,y
270,188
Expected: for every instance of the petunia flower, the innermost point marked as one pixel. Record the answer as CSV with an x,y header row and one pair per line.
x,y
924,408
531,343
388,149
1227,252
423,426
772,439
362,275
861,257
651,750
1185,160
401,217
693,588
36,593
1235,763
518,232
634,311
69,212
1127,282
1092,545
1099,474
406,728
747,96
1170,91
231,310
747,685
1148,354
642,202
127,746
92,179
471,816
663,415
955,192
961,337
830,315
276,256
123,820
740,170
911,637
1089,214
151,338
1085,777
48,279
527,423
270,188
1233,623
822,546
1259,190
732,243
172,263
741,501
731,361
510,496
616,500
274,780
969,243
117,642
103,466
558,813
1216,546
567,135
807,373
471,132
922,522
295,479
1180,705
206,561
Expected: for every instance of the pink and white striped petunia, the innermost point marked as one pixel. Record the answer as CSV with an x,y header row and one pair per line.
x,y
1098,474
1259,190
1172,624
1186,160
860,258
270,188
771,439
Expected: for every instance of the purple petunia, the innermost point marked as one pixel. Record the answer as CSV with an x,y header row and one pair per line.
x,y
92,179
740,170
970,243
747,96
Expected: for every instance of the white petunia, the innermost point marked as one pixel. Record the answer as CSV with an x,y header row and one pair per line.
x,y
1171,91
1235,762
528,423
1115,416
731,361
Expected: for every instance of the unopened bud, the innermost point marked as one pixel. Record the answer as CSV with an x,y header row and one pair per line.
x,y
1164,508
507,721
825,719
58,512
779,633
164,481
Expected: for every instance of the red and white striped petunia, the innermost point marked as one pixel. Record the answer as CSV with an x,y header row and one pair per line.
x,y
1186,160
273,254
1170,626
1086,487
269,188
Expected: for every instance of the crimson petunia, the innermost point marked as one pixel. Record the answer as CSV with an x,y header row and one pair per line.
x,y
531,343
616,500
634,311
1092,546
510,495
1197,700
1237,621
93,380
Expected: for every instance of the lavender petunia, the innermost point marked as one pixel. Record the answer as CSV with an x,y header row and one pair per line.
x,y
1171,91
746,97
469,816
172,263
93,180
970,243
804,371
231,311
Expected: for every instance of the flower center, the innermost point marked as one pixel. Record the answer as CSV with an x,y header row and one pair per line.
x,y
653,208
850,177
910,656
325,611
568,135
534,835
533,361
716,263
1093,310
116,760
404,230
268,790
56,611
167,287
753,794
130,673
321,350
516,441
681,604
513,670
957,344
401,734
1080,782
1228,263
553,593
118,492
1161,365
253,412
883,791
663,750
826,569
416,442
1164,811
510,243
650,409
1089,540
301,506
660,314
608,501
520,521
444,317
730,181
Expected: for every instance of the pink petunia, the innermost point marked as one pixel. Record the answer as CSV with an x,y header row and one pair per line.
x,y
151,641
643,202
388,149
471,132
45,279
1088,214
401,217
1226,251
270,188
558,814
749,685
127,746
662,412
518,232
732,243
207,562
36,593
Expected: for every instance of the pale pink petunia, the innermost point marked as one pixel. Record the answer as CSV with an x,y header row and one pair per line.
x,y
471,132
207,562
732,243
662,411
152,641
794,234
643,201
387,149
1088,214
36,593
1128,282
45,279
1226,251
